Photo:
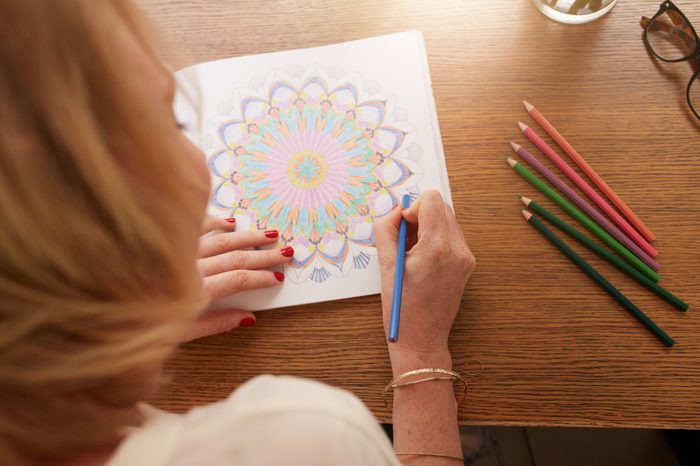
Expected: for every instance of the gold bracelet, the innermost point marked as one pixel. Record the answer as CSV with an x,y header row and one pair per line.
x,y
437,455
451,375
433,370
427,379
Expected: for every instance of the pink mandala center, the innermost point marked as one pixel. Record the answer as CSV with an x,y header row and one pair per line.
x,y
307,169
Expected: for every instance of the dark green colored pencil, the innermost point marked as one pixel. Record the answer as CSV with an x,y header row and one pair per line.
x,y
599,279
583,219
605,254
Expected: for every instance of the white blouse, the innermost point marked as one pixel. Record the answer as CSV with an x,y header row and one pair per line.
x,y
267,421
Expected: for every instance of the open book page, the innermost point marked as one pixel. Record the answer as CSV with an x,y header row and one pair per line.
x,y
317,143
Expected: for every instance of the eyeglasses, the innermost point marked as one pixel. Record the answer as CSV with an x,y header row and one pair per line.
x,y
671,37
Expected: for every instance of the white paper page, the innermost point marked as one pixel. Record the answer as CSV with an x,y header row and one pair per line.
x,y
316,143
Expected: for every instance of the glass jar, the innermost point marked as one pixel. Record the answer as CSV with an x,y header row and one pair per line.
x,y
574,11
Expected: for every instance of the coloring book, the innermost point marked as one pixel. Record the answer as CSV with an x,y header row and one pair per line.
x,y
317,143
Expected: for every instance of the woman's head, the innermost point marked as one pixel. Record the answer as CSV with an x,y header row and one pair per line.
x,y
101,198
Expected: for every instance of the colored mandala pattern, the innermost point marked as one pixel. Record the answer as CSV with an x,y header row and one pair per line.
x,y
316,158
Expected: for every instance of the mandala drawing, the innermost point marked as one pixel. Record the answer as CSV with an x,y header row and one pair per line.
x,y
317,158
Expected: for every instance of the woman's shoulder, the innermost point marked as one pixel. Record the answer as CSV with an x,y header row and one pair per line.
x,y
275,420
268,393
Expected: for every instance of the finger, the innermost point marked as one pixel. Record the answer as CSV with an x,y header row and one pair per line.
x,y
232,282
225,242
212,223
449,211
457,235
218,321
411,236
250,260
386,233
453,224
432,211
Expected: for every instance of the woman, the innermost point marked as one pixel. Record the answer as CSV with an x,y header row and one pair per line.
x,y
101,199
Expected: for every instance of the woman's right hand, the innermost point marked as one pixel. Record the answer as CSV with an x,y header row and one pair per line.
x,y
438,265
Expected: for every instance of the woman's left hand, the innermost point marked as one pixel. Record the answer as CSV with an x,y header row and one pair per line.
x,y
229,266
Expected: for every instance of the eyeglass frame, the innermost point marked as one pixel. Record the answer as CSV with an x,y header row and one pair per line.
x,y
693,56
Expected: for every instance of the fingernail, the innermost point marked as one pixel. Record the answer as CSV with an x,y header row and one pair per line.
x,y
231,220
279,276
271,233
247,322
287,251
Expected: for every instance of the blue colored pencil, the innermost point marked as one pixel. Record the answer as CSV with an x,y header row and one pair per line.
x,y
398,275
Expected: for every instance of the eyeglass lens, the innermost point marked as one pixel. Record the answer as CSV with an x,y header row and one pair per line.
x,y
671,36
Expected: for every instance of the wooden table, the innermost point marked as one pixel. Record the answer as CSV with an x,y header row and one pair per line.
x,y
556,349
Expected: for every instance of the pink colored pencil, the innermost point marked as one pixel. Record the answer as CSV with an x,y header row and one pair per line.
x,y
585,206
590,192
588,170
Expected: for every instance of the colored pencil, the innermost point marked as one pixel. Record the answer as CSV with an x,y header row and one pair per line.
x,y
585,187
588,170
585,206
599,279
583,219
395,314
605,254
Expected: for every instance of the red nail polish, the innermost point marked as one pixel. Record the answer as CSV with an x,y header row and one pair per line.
x,y
231,220
279,276
271,233
247,322
287,251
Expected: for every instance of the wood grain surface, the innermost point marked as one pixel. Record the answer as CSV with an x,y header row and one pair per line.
x,y
556,349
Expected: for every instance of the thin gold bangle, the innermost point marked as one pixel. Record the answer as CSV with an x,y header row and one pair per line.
x,y
437,455
433,370
427,379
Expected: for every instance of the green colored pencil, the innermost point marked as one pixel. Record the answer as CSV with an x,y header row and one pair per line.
x,y
583,220
605,254
599,279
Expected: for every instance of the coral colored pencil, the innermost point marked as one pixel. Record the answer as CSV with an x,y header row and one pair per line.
x,y
588,170
590,192
585,206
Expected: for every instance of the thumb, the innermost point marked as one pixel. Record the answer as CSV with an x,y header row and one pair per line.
x,y
218,321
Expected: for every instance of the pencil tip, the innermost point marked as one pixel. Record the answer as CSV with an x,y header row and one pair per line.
x,y
528,106
522,126
516,147
526,214
510,161
525,200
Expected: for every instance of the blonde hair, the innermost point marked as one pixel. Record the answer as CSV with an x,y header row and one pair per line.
x,y
97,278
